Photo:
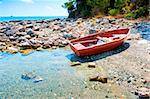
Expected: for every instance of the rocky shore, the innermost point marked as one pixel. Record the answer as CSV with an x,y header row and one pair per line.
x,y
18,36
128,70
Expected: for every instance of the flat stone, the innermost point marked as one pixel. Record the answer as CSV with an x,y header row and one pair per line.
x,y
12,38
75,63
29,26
91,64
21,33
98,77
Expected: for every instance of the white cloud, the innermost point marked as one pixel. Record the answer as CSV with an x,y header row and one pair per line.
x,y
49,8
27,1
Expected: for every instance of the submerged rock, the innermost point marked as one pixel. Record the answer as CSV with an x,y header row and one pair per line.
x,y
38,79
27,76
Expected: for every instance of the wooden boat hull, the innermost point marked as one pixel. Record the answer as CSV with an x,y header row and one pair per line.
x,y
86,51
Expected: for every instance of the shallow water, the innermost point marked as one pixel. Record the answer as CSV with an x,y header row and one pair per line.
x,y
6,19
144,29
60,80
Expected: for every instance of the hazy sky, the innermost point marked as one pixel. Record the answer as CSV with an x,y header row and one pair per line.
x,y
32,8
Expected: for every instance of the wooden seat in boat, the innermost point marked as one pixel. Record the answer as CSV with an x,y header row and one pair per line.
x,y
79,46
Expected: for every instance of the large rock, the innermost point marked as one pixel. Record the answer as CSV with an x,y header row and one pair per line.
x,y
3,29
29,26
25,45
40,21
12,38
12,50
30,32
21,39
10,33
68,35
46,45
21,29
91,31
36,28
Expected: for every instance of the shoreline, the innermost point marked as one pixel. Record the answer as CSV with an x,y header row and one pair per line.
x,y
127,70
17,36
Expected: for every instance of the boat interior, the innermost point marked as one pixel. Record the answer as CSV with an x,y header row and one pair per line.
x,y
97,40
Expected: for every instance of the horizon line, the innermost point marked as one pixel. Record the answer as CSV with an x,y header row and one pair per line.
x,y
36,16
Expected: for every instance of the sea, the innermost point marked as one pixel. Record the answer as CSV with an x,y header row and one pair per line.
x,y
12,18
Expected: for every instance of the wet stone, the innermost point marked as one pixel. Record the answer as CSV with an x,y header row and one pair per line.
x,y
38,79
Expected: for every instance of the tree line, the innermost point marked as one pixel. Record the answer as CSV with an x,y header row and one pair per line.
x,y
128,8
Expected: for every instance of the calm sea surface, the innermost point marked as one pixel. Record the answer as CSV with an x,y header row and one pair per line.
x,y
2,19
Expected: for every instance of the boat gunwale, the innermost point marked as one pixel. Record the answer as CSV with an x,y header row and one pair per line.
x,y
108,43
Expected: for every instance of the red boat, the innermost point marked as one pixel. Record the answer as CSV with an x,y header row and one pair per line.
x,y
99,42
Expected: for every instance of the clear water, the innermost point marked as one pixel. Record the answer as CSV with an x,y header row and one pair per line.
x,y
60,79
3,19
